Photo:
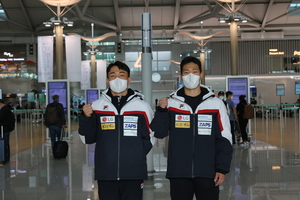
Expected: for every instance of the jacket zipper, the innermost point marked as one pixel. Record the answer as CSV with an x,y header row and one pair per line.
x,y
119,140
194,133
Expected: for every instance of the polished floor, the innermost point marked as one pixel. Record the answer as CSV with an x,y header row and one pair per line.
x,y
267,169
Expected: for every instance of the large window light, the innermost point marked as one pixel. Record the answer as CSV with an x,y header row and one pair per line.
x,y
2,14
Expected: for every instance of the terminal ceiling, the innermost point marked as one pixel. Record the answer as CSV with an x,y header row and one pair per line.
x,y
25,18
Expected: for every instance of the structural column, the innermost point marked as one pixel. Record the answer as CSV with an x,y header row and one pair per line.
x,y
202,60
147,70
234,48
93,71
59,50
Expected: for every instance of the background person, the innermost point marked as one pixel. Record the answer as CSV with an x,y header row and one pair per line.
x,y
7,124
197,123
118,123
242,122
232,114
57,122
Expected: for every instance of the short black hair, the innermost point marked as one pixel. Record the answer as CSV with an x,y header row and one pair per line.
x,y
190,59
55,97
228,93
120,65
242,99
221,93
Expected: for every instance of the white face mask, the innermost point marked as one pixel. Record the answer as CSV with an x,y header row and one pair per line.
x,y
118,85
191,81
221,97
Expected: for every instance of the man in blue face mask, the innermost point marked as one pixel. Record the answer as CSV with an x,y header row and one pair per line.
x,y
200,148
118,122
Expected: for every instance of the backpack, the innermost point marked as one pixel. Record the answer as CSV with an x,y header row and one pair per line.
x,y
248,111
52,115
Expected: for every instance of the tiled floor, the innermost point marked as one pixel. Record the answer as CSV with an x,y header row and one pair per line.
x,y
262,171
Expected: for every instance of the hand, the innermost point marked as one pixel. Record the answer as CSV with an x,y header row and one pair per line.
x,y
87,109
219,178
64,126
163,103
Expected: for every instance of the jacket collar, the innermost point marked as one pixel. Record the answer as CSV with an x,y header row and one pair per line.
x,y
207,93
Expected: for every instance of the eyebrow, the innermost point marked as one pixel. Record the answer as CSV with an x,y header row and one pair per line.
x,y
123,72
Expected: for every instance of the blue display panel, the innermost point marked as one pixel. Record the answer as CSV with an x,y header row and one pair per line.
x,y
92,95
238,86
253,90
297,87
280,89
60,89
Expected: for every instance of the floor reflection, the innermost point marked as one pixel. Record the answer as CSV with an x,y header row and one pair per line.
x,y
258,172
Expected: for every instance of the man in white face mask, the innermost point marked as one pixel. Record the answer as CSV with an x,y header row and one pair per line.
x,y
200,148
118,122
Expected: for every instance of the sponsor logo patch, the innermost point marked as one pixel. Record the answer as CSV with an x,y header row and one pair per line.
x,y
107,119
185,118
130,126
108,126
182,124
132,119
204,124
204,118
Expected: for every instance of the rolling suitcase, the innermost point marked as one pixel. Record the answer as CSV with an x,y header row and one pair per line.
x,y
2,146
60,149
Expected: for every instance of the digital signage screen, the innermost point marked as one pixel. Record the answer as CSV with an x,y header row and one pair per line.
x,y
60,89
280,89
92,95
253,90
297,87
238,86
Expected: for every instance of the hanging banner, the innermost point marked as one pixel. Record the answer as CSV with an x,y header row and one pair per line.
x,y
45,58
101,74
73,57
85,75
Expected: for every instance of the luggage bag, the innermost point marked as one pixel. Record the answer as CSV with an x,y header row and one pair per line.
x,y
60,149
2,146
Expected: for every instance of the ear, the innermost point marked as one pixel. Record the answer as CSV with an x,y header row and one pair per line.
x,y
202,75
129,80
107,81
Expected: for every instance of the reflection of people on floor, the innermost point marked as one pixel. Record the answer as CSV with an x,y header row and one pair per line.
x,y
246,177
5,182
59,178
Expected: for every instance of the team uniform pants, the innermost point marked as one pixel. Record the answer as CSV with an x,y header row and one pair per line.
x,y
121,190
186,188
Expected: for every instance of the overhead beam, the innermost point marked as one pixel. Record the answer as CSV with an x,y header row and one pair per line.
x,y
288,13
267,13
16,23
117,15
176,16
25,15
86,5
202,17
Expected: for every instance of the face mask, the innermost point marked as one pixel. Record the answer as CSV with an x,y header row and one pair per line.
x,y
191,81
118,85
221,97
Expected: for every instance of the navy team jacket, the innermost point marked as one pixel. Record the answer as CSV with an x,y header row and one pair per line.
x,y
122,139
200,141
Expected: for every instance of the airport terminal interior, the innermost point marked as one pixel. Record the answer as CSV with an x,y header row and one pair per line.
x,y
253,42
